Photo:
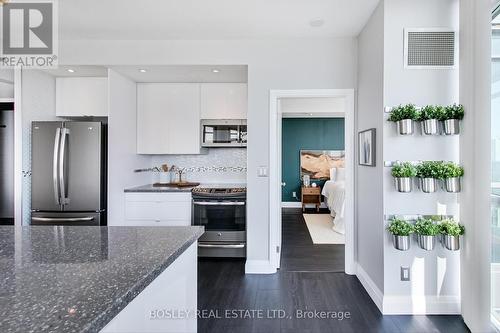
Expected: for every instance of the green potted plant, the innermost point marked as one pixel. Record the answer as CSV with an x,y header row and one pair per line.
x,y
451,118
429,172
404,116
452,174
429,117
451,231
401,231
426,231
403,174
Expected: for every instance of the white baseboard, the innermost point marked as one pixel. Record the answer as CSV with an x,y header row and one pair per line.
x,y
371,288
259,267
291,204
298,204
407,305
421,305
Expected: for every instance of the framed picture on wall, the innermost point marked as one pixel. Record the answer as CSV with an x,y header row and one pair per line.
x,y
366,147
317,163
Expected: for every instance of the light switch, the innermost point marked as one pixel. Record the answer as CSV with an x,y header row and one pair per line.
x,y
405,273
262,171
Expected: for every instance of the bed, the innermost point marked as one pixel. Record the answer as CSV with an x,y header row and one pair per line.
x,y
334,193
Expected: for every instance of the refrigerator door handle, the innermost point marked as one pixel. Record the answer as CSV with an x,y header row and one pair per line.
x,y
62,219
55,175
62,165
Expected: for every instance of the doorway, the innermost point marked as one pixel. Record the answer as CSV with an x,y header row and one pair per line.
x,y
345,98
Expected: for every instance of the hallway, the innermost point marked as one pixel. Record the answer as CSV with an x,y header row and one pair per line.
x,y
299,254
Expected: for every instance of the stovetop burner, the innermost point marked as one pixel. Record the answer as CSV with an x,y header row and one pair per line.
x,y
219,191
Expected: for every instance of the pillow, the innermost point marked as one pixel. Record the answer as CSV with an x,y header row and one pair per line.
x,y
340,174
333,174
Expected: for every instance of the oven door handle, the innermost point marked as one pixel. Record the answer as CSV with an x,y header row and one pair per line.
x,y
219,203
222,246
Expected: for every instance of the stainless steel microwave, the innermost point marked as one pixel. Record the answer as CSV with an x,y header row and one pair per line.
x,y
224,133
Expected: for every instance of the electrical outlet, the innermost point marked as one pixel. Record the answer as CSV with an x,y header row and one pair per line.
x,y
294,194
405,273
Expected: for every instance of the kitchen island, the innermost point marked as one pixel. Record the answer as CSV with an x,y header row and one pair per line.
x,y
91,279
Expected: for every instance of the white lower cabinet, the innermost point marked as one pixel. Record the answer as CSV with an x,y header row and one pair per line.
x,y
159,307
158,209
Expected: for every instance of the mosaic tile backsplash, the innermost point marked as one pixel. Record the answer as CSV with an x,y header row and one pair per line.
x,y
219,165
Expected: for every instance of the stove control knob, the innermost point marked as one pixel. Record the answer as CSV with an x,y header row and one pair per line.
x,y
219,234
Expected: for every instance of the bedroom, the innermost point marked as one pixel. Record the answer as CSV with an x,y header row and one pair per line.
x,y
313,184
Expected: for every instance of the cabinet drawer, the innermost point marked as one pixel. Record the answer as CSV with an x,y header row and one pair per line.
x,y
158,210
311,190
158,223
159,197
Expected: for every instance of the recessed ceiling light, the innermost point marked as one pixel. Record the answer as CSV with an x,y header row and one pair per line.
x,y
316,22
71,70
143,70
215,70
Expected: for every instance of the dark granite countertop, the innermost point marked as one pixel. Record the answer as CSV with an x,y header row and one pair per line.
x,y
149,188
76,279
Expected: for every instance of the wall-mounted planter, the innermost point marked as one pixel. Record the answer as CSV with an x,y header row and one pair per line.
x,y
401,243
426,242
428,185
404,184
451,126
430,127
453,185
405,127
451,243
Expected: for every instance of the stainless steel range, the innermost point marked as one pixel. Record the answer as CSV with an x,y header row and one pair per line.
x,y
221,209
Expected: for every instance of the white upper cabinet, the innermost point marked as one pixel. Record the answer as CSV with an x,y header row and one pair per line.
x,y
168,118
224,101
82,96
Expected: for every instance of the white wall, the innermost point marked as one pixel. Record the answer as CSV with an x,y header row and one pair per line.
x,y
6,90
225,165
475,95
6,83
272,64
434,273
370,202
122,156
38,103
383,81
313,107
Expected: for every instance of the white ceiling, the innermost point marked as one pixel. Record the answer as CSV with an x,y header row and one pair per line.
x,y
185,73
211,19
78,71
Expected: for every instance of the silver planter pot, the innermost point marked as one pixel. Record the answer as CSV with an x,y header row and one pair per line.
x,y
401,243
404,185
452,126
428,185
453,185
426,242
430,127
405,126
452,243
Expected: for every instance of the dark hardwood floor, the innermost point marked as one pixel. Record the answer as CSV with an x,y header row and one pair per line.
x,y
223,285
299,254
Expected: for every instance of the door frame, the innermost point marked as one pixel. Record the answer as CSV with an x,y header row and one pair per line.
x,y
275,118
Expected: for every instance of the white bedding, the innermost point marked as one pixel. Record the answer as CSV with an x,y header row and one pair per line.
x,y
334,193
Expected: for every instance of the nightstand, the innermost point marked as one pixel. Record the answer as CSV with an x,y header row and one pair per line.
x,y
311,195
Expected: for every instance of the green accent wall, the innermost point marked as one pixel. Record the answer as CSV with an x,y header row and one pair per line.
x,y
306,134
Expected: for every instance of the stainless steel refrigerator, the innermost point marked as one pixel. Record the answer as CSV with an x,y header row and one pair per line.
x,y
6,163
68,182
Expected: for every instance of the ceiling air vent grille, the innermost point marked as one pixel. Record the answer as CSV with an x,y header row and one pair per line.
x,y
429,48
